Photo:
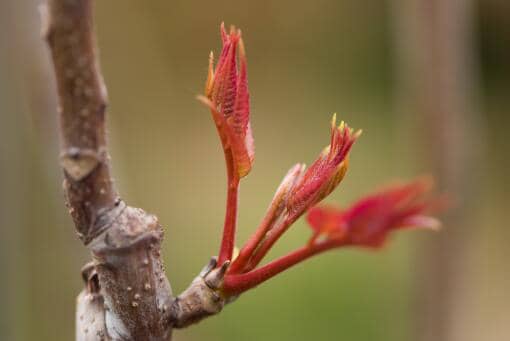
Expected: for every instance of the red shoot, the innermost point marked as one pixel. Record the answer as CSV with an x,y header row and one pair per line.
x,y
366,223
226,94
369,221
326,172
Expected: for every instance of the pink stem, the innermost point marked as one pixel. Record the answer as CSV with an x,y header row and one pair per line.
x,y
268,243
229,228
252,243
238,283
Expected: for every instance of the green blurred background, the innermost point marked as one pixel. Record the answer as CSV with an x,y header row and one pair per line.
x,y
427,80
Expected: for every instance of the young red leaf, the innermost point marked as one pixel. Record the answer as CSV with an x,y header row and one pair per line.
x,y
227,95
326,172
369,221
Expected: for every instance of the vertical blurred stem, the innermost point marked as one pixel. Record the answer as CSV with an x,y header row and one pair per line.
x,y
12,188
24,105
436,82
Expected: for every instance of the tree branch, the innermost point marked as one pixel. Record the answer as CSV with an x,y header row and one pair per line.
x,y
90,193
127,296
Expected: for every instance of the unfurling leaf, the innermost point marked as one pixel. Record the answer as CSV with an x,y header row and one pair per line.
x,y
227,95
369,221
326,172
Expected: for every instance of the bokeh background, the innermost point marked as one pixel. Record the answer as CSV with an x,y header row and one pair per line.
x,y
427,80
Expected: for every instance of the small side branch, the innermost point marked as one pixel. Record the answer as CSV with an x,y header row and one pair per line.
x,y
202,298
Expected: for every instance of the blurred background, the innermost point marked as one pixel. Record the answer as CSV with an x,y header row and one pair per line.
x,y
427,80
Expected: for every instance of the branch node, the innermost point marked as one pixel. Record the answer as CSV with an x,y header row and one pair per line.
x,y
214,278
202,298
79,163
90,312
123,228
90,278
104,219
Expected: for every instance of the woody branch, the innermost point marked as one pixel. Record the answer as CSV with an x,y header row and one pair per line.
x,y
127,296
